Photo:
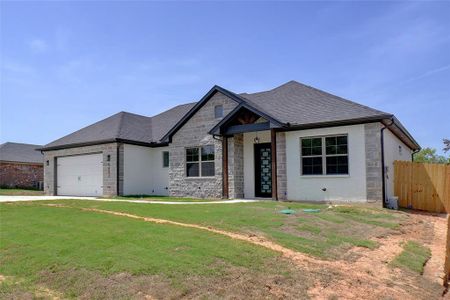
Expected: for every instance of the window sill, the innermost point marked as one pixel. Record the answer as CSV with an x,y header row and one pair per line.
x,y
325,176
201,178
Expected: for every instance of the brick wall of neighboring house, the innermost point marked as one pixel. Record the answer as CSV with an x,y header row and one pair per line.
x,y
21,175
109,167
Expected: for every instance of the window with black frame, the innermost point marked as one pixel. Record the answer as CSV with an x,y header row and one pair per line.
x,y
336,152
326,155
200,161
165,159
312,156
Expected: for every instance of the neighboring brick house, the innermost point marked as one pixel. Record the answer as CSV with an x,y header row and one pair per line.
x,y
292,142
21,166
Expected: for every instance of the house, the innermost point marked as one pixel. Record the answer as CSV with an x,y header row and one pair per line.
x,y
21,166
293,142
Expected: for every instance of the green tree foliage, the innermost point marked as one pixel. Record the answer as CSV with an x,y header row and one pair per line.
x,y
428,155
446,145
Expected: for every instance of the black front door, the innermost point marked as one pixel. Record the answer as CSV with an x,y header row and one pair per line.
x,y
263,170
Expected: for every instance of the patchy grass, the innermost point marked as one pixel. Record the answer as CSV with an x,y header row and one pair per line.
x,y
67,252
45,245
413,257
316,234
20,192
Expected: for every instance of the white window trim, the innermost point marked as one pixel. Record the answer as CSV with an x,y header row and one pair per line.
x,y
200,161
324,157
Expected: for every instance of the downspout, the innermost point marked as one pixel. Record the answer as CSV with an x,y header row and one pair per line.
x,y
215,136
412,154
383,171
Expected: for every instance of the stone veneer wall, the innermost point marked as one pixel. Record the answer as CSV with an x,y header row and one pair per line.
x,y
281,166
236,166
374,185
109,167
121,167
194,134
21,175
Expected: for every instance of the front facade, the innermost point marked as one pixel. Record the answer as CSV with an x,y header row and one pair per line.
x,y
274,144
21,166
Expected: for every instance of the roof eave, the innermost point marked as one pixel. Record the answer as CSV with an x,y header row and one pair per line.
x,y
21,162
75,145
354,121
394,122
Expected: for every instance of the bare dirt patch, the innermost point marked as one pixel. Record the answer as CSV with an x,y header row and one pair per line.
x,y
437,244
370,276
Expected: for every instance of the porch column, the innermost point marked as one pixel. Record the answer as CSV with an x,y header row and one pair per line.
x,y
225,167
273,144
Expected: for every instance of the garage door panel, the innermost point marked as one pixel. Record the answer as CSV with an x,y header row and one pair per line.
x,y
80,175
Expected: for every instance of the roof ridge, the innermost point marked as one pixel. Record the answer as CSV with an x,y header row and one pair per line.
x,y
176,106
134,114
335,96
17,143
119,126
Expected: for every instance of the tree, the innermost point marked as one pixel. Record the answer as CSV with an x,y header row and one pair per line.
x,y
428,155
446,145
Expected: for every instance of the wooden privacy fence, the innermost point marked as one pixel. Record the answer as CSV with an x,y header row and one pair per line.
x,y
447,256
422,186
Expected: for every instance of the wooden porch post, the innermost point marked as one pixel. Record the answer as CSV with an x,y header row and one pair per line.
x,y
225,167
273,144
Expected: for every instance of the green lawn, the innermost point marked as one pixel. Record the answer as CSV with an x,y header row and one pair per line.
x,y
81,254
20,192
325,234
413,257
159,198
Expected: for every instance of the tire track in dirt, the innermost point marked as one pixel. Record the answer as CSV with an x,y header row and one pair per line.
x,y
369,277
299,258
434,267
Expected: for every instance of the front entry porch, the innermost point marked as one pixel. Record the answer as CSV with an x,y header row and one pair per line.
x,y
252,146
250,165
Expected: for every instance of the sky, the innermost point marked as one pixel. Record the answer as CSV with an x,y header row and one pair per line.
x,y
65,65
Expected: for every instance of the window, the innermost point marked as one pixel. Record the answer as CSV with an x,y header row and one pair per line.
x,y
165,159
200,161
312,156
218,111
324,155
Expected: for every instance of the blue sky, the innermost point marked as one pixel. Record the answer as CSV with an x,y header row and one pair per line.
x,y
65,65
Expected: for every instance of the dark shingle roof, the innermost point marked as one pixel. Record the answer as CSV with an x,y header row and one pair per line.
x,y
163,122
124,126
290,105
19,152
299,104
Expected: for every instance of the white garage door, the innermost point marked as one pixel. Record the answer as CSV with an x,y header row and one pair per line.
x,y
80,175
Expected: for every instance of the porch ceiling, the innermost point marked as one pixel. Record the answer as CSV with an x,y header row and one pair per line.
x,y
243,119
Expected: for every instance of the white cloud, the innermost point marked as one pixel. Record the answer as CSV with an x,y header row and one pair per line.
x,y
15,67
38,45
427,73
